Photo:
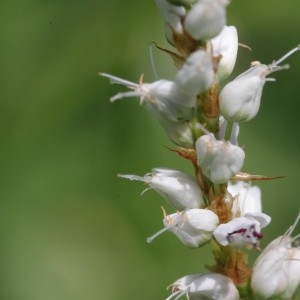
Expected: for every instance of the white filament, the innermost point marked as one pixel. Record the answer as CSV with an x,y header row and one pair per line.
x,y
152,60
286,55
155,235
179,293
132,177
114,79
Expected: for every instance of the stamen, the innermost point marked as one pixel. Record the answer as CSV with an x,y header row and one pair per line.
x,y
152,60
122,95
171,221
145,190
273,68
132,177
286,55
291,229
181,294
289,232
155,235
203,129
114,79
234,133
244,46
175,294
296,241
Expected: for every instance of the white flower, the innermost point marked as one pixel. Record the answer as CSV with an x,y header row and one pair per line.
x,y
206,19
211,286
172,15
193,227
240,98
197,73
179,189
243,231
219,160
226,45
247,198
276,272
171,106
163,95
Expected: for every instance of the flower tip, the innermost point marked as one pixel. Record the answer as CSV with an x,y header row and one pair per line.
x,y
245,46
131,177
149,240
155,235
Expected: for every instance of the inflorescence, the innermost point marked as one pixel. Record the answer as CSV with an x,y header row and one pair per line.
x,y
218,206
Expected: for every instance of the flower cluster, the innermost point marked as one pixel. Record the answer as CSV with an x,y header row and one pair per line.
x,y
218,206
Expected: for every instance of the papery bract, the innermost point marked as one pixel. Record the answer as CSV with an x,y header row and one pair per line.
x,y
172,15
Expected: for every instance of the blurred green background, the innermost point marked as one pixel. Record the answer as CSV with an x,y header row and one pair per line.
x,y
69,228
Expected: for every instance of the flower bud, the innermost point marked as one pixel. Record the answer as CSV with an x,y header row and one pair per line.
x,y
219,160
206,19
276,272
240,98
197,73
243,231
193,227
226,45
179,189
204,286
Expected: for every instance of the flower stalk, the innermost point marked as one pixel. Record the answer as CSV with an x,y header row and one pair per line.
x,y
218,207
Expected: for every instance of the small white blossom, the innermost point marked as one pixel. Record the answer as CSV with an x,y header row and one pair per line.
x,y
240,98
172,107
276,272
172,15
179,189
206,19
243,231
219,160
211,286
193,227
164,95
226,45
197,73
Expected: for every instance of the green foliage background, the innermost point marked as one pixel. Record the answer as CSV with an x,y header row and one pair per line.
x,y
69,228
